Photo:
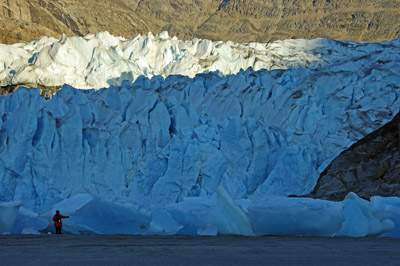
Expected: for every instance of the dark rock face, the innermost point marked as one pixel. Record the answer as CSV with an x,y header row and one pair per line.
x,y
46,91
370,167
235,20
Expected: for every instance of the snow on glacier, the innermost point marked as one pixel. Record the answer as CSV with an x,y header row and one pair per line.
x,y
101,60
148,154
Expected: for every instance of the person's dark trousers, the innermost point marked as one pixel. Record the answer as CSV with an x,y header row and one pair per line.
x,y
58,230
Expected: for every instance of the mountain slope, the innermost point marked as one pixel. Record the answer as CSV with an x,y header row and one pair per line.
x,y
269,20
22,20
236,20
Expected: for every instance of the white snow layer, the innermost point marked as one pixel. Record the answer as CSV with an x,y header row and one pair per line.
x,y
212,153
101,60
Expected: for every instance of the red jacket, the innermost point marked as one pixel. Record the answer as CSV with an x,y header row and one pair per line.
x,y
57,220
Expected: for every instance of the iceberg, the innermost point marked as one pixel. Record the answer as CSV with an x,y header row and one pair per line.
x,y
360,220
387,208
276,215
228,217
191,215
8,213
28,222
110,215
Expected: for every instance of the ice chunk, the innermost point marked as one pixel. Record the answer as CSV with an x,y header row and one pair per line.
x,y
276,215
163,224
228,217
191,214
208,230
111,215
28,222
360,220
8,212
387,208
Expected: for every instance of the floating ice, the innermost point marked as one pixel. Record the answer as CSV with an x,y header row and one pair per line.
x,y
110,215
276,215
387,208
28,222
228,217
191,214
163,224
8,213
360,219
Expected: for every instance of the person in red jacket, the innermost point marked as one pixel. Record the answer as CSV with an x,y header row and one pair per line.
x,y
57,221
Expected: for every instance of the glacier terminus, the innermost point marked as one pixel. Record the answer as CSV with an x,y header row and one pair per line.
x,y
153,135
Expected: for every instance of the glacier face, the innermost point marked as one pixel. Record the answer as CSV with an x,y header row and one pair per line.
x,y
101,60
160,140
159,148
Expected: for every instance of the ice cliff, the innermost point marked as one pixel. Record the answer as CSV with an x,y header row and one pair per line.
x,y
101,60
166,150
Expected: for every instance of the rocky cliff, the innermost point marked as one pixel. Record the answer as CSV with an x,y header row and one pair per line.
x,y
236,20
370,167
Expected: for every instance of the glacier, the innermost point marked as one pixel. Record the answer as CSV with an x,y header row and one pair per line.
x,y
153,135
101,60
